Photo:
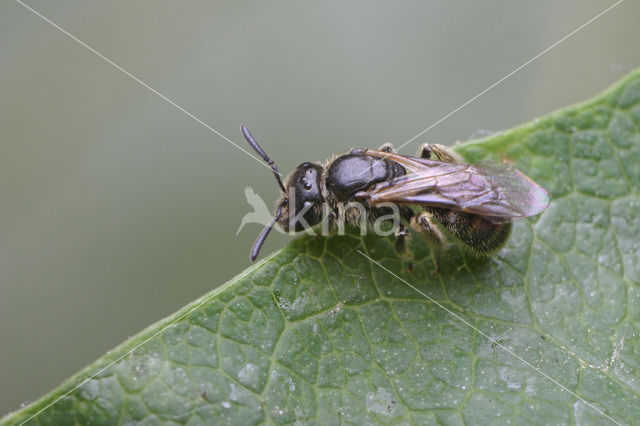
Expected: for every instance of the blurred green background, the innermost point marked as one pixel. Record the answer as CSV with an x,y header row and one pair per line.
x,y
116,209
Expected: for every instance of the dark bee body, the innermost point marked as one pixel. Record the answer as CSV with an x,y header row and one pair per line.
x,y
356,171
474,203
353,173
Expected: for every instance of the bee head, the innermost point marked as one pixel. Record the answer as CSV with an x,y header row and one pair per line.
x,y
300,205
303,198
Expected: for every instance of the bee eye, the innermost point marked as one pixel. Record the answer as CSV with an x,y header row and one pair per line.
x,y
307,186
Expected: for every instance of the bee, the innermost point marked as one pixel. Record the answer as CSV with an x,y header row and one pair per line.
x,y
436,193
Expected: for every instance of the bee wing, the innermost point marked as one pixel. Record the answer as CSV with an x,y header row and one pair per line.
x,y
411,164
499,193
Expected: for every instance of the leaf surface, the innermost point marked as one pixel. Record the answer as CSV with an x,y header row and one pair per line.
x,y
317,333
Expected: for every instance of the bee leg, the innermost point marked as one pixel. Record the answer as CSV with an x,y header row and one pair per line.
x,y
387,147
424,223
444,153
402,234
330,221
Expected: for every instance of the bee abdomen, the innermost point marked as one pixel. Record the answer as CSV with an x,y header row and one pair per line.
x,y
487,241
475,231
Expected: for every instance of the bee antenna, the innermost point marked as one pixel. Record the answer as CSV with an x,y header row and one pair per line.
x,y
255,249
265,157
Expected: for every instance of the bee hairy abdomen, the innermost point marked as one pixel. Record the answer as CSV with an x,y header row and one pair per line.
x,y
477,232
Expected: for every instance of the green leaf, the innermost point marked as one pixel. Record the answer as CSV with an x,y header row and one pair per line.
x,y
546,331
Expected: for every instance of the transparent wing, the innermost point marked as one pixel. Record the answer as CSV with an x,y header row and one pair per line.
x,y
499,193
